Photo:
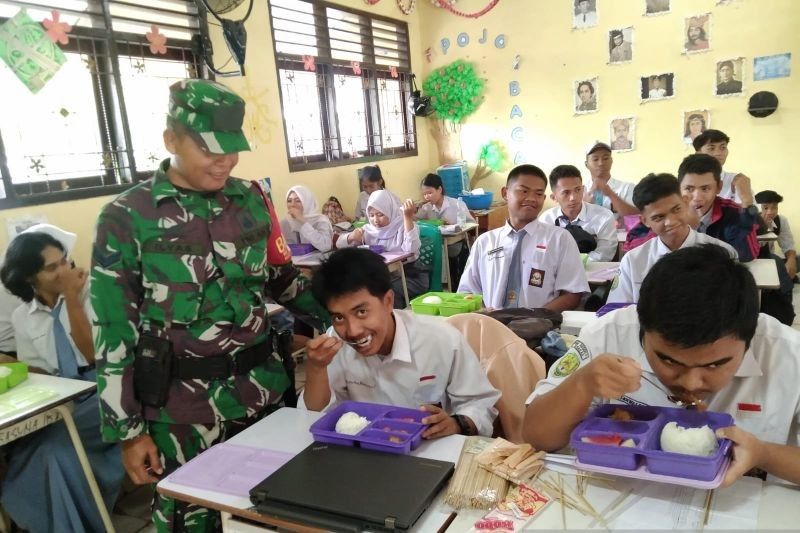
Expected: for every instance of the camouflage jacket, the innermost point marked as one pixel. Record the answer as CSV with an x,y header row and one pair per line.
x,y
194,268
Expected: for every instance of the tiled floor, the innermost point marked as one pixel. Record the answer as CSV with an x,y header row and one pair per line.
x,y
132,514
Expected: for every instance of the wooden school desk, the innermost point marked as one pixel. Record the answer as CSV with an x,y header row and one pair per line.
x,y
492,218
286,431
37,416
452,238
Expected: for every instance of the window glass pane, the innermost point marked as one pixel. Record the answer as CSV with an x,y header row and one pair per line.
x,y
390,101
301,112
53,135
345,30
145,82
293,26
350,111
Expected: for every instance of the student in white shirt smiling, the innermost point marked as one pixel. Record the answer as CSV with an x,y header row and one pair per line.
x,y
373,353
526,263
695,333
44,488
567,189
667,214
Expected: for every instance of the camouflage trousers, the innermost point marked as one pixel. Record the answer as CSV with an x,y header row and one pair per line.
x,y
177,444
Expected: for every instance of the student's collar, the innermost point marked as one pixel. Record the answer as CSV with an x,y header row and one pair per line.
x,y
690,240
582,216
528,228
401,347
36,305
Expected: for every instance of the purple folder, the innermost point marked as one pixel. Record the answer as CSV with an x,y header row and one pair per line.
x,y
230,468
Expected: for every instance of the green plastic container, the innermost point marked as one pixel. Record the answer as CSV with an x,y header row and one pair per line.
x,y
19,373
359,223
431,222
452,304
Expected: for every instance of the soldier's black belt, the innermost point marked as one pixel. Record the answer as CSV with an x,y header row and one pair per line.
x,y
220,366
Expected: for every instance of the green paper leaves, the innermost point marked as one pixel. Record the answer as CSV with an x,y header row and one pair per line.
x,y
456,91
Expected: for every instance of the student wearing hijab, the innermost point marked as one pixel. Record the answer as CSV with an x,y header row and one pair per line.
x,y
304,223
392,226
44,488
371,181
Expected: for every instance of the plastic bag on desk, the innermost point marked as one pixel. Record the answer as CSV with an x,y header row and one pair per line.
x,y
471,485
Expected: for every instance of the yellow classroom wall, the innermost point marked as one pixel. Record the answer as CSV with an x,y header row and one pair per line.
x,y
553,56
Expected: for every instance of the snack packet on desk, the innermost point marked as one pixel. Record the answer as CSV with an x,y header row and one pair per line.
x,y
513,512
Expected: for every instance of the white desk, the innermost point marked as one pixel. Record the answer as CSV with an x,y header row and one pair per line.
x,y
765,272
286,430
452,238
59,407
767,237
601,272
574,321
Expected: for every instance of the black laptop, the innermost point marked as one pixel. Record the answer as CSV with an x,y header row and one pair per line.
x,y
342,488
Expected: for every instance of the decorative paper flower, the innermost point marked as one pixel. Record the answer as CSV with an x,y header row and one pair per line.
x,y
393,72
157,40
308,63
56,30
356,66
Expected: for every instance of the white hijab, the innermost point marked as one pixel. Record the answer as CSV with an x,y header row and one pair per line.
x,y
310,210
391,235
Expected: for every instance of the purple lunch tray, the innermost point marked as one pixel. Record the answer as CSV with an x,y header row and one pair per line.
x,y
607,308
301,248
230,468
646,460
391,429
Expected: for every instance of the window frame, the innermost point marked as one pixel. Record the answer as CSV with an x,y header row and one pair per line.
x,y
112,115
333,156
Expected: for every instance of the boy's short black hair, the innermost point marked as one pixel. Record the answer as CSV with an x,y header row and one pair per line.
x,y
697,295
708,137
700,164
433,180
349,270
654,187
527,170
563,171
24,260
768,197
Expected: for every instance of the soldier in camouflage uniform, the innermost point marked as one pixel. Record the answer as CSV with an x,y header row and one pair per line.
x,y
187,258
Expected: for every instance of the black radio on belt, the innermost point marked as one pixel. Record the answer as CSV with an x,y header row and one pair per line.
x,y
152,370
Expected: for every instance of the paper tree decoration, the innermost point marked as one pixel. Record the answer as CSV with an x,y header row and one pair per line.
x,y
492,158
456,91
29,52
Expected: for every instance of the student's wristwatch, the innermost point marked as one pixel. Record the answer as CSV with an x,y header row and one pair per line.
x,y
464,427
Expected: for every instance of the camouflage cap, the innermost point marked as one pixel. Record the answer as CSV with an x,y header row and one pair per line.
x,y
211,112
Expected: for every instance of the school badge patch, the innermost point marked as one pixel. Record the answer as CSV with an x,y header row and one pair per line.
x,y
566,365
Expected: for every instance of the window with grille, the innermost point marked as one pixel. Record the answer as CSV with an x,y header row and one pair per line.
x,y
96,126
344,78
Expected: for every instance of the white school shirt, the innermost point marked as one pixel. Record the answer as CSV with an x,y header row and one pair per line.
x,y
763,396
637,263
33,328
595,220
319,235
408,243
430,362
727,187
623,189
8,303
551,264
785,237
448,211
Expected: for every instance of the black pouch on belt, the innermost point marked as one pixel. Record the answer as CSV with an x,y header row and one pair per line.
x,y
152,370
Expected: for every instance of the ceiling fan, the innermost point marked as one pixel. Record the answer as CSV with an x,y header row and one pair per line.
x,y
232,30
